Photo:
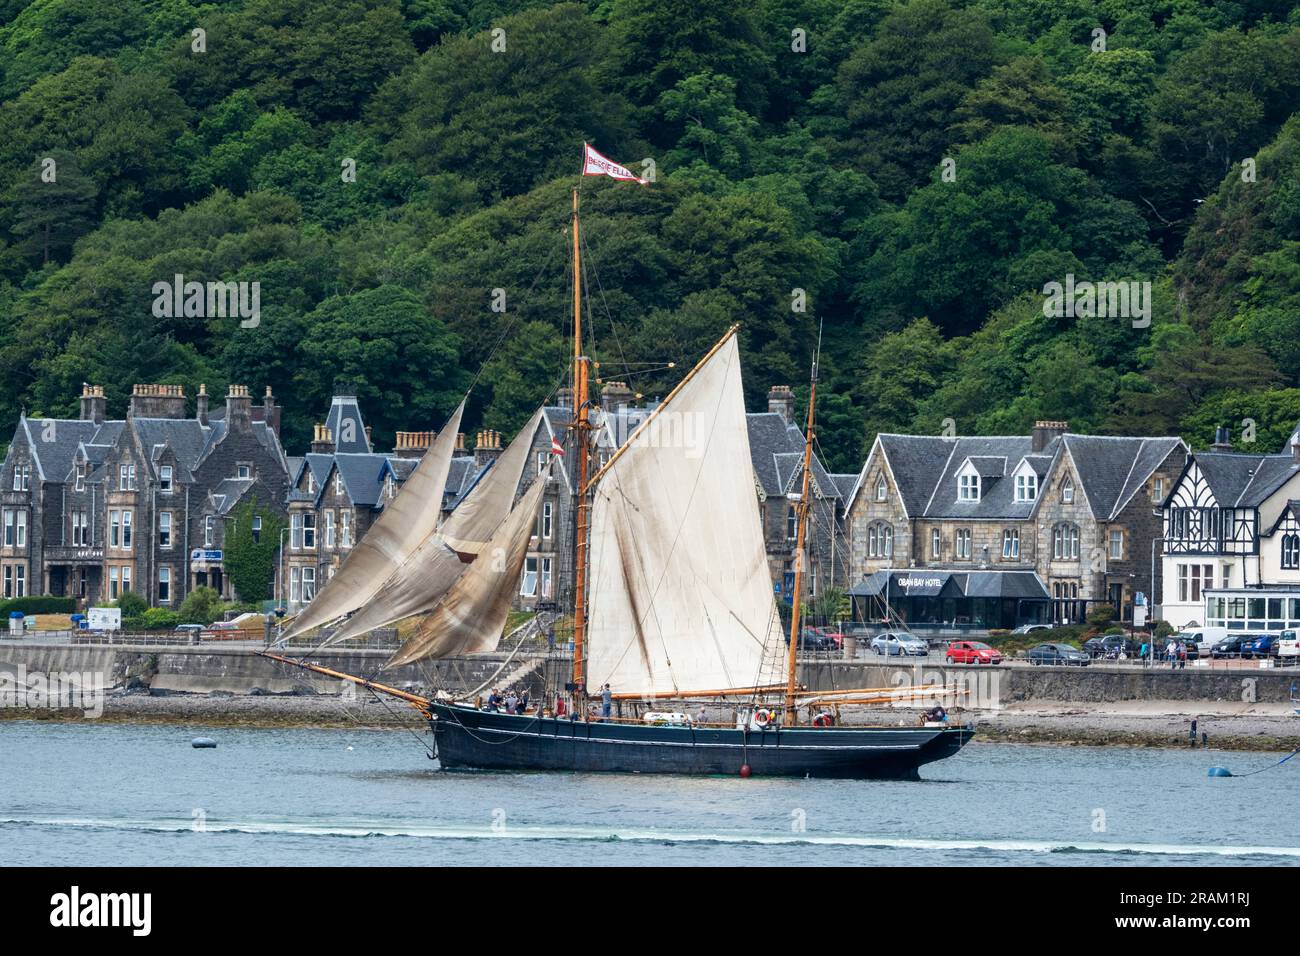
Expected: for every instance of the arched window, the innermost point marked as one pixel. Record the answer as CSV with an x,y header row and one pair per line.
x,y
1065,542
1291,551
880,540
1067,491
882,489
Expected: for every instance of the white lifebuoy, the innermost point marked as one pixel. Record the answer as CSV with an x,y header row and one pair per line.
x,y
762,717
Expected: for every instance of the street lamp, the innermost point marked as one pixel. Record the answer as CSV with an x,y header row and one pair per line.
x,y
279,570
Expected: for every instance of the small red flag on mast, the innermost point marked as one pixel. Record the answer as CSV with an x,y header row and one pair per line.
x,y
556,447
594,164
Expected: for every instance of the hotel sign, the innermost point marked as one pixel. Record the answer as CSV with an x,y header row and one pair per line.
x,y
202,554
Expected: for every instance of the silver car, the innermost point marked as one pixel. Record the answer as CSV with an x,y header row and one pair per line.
x,y
899,643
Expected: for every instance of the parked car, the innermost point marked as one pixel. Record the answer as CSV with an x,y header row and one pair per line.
x,y
972,652
1260,645
810,640
1228,647
1058,654
223,626
1031,628
1104,645
1288,647
1203,640
899,643
834,633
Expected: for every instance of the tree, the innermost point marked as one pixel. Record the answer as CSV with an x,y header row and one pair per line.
x,y
54,206
249,557
203,605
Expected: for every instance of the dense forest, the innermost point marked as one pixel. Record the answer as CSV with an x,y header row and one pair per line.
x,y
915,172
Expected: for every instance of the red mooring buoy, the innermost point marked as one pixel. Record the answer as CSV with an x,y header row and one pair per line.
x,y
745,771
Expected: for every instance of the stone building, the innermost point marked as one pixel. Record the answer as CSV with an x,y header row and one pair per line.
x,y
1002,530
94,507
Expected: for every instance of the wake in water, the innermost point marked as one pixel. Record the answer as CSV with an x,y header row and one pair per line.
x,y
654,836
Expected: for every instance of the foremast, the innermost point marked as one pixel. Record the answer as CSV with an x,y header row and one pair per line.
x,y
801,538
581,442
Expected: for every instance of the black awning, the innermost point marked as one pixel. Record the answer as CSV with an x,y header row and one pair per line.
x,y
922,582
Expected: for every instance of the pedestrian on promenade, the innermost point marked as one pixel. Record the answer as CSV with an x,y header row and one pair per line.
x,y
1191,733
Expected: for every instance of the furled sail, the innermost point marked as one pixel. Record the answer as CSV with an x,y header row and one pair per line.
x,y
470,617
420,582
401,527
680,598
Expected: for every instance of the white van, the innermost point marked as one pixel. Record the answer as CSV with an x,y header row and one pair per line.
x,y
1288,646
1203,637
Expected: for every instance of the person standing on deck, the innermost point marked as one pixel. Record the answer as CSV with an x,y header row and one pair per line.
x,y
606,702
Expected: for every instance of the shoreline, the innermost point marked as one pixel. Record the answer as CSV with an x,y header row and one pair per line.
x,y
1259,728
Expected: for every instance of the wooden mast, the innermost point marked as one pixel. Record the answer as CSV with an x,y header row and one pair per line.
x,y
801,510
581,428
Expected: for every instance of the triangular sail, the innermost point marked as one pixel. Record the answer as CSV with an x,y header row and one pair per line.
x,y
472,614
420,582
402,526
680,595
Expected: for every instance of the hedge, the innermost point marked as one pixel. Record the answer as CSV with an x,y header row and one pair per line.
x,y
39,604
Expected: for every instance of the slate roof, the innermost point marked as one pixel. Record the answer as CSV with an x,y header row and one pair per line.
x,y
227,493
776,452
1113,469
1245,481
344,409
53,458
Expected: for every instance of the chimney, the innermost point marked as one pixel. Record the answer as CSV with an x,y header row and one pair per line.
x,y
157,401
487,447
615,395
460,441
1222,440
564,397
1044,432
239,408
271,412
322,442
781,400
412,444
201,405
93,403
1295,449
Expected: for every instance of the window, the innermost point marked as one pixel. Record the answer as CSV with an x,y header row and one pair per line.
x,y
126,477
80,528
962,541
308,584
113,590
20,580
126,578
541,462
115,529
1192,580
390,487
528,583
243,470
882,489
1026,487
338,482
1067,491
308,535
1291,551
346,530
546,577
311,483
880,540
126,529
791,523
1117,544
1011,543
1065,542
15,528
329,529
81,476
164,529
936,542
9,580
1158,490
209,528
547,519
968,487
257,528
164,585
295,588
22,477
295,530
165,479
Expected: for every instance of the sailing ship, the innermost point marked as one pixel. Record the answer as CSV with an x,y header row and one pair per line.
x,y
672,601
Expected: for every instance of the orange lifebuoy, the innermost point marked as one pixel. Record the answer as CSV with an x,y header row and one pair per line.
x,y
762,717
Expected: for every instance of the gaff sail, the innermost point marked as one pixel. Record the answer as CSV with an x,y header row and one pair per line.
x,y
419,583
401,527
470,617
680,594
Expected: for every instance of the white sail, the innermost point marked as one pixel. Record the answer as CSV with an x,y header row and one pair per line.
x,y
420,582
401,527
680,598
471,615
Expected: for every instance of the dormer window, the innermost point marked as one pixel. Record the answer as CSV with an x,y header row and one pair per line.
x,y
22,477
338,482
882,489
1026,486
81,476
1067,492
968,487
311,484
165,478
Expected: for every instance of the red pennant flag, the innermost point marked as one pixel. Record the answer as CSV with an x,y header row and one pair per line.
x,y
556,447
594,164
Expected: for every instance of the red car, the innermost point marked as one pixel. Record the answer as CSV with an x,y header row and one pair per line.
x,y
972,652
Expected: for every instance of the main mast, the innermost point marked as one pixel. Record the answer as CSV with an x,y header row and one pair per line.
x,y
801,511
581,427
